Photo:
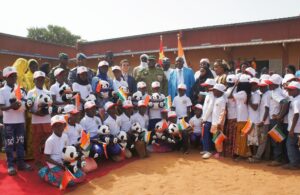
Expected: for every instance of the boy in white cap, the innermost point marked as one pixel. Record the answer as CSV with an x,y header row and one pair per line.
x,y
82,85
142,87
40,123
207,118
125,117
278,109
293,127
195,123
140,116
118,80
54,171
181,103
230,128
218,114
13,120
253,108
73,128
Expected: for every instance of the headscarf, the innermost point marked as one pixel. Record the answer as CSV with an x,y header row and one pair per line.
x,y
21,66
29,76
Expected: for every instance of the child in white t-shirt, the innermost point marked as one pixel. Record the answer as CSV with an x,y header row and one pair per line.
x,y
181,103
82,85
195,123
140,116
54,171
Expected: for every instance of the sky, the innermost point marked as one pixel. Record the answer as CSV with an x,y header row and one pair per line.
x,y
104,19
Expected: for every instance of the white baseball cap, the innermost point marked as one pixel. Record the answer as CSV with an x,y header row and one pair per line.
x,y
181,86
57,119
155,84
251,71
108,105
70,108
231,78
254,80
141,84
58,71
103,63
8,71
38,74
263,83
288,78
293,85
219,87
204,60
172,114
198,106
89,104
274,79
208,82
264,77
116,67
127,104
141,103
81,69
244,78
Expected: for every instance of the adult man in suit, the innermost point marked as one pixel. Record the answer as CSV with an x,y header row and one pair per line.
x,y
125,66
180,75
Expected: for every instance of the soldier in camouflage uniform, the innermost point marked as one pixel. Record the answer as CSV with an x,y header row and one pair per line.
x,y
63,63
153,73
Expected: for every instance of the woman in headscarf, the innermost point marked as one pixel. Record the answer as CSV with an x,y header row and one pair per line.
x,y
33,66
45,67
21,66
205,73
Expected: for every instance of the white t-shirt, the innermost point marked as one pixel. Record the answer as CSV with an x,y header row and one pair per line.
x,y
181,103
155,113
276,97
294,109
218,110
125,122
91,125
254,114
208,107
231,104
241,106
11,116
117,84
54,146
54,89
114,125
34,94
142,120
180,78
265,102
73,133
196,124
83,90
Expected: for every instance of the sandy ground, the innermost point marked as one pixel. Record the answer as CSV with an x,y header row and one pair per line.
x,y
175,173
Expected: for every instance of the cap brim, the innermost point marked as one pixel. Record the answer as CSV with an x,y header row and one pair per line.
x,y
7,75
62,122
262,84
291,87
269,82
204,84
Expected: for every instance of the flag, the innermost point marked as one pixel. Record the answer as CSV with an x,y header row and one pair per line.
x,y
77,101
105,150
147,100
98,87
66,117
168,102
122,95
218,138
182,125
247,128
85,140
18,93
161,51
147,136
253,64
67,177
180,50
276,134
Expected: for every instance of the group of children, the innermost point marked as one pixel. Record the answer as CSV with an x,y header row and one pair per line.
x,y
90,124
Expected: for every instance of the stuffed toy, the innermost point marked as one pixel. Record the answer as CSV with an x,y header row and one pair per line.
x,y
105,136
72,159
45,103
156,101
66,92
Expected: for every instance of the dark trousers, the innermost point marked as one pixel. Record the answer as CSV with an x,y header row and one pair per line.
x,y
14,138
279,149
293,149
207,138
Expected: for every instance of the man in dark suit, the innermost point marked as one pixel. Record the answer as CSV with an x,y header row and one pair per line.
x,y
125,66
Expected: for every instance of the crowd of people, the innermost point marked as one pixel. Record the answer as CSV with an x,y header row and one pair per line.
x,y
73,119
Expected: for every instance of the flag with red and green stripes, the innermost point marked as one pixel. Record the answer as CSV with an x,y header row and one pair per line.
x,y
276,134
121,94
218,137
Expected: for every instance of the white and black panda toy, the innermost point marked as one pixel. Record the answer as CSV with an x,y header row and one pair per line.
x,y
156,101
72,159
66,92
136,97
123,140
105,136
45,103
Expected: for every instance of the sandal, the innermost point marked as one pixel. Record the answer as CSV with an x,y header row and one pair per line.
x,y
11,171
25,167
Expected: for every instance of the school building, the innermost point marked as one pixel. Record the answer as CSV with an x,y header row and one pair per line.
x,y
272,43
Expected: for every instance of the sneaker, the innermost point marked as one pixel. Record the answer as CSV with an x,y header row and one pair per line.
x,y
275,163
290,167
202,152
11,171
207,155
25,167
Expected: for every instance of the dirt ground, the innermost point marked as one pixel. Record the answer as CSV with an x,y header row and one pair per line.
x,y
175,173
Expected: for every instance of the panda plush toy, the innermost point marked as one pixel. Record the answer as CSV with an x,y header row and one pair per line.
x,y
90,97
72,159
45,103
173,130
66,92
136,97
161,135
123,140
156,101
105,136
105,91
